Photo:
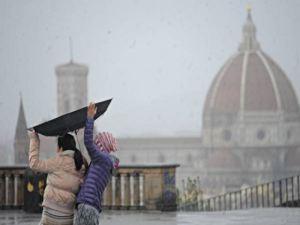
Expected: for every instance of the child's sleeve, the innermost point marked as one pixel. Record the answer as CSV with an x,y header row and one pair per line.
x,y
88,140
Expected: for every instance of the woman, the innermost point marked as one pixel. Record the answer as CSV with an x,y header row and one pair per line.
x,y
99,172
65,174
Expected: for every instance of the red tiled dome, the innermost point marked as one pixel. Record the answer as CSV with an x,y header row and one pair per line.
x,y
250,81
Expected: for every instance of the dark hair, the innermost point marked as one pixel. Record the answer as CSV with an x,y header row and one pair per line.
x,y
67,142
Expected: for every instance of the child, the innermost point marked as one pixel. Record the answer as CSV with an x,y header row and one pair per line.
x,y
99,172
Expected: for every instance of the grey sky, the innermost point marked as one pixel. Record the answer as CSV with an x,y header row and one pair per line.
x,y
156,58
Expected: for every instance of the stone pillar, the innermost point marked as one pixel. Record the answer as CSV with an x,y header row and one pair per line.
x,y
16,189
2,190
127,191
118,192
141,189
21,190
131,180
7,189
113,191
136,187
122,178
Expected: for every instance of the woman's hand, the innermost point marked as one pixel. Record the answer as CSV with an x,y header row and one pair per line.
x,y
92,109
32,134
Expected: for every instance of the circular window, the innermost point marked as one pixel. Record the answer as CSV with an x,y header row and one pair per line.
x,y
261,134
227,135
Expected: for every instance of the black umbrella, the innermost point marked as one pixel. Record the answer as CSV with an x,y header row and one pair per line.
x,y
69,122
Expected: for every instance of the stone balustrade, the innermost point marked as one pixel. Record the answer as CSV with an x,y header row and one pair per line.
x,y
12,186
150,187
279,193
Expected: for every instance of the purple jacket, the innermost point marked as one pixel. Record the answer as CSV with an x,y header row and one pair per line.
x,y
99,172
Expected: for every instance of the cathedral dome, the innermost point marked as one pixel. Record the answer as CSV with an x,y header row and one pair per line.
x,y
250,81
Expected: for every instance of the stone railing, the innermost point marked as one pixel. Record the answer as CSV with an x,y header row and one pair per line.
x,y
279,193
12,186
150,187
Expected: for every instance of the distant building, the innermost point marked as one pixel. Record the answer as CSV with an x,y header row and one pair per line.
x,y
71,87
251,119
21,141
71,95
251,126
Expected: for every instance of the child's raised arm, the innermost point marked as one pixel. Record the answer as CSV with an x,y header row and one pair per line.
x,y
88,133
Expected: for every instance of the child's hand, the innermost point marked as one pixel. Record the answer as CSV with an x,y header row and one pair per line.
x,y
92,109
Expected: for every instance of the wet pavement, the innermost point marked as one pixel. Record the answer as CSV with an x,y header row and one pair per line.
x,y
278,216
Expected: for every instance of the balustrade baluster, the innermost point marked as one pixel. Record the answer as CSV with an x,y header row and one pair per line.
x,y
241,204
280,193
2,190
286,192
136,190
246,197
16,179
268,194
235,201
122,182
298,187
113,191
251,196
127,191
262,196
230,203
141,187
274,193
257,199
7,176
292,181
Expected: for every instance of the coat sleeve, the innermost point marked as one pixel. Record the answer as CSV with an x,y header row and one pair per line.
x,y
45,166
92,149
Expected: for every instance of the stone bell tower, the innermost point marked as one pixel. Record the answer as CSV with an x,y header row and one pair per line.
x,y
71,86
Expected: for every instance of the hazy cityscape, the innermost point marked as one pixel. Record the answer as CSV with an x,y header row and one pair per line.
x,y
209,86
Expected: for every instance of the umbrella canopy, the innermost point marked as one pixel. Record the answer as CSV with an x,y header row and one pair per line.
x,y
69,122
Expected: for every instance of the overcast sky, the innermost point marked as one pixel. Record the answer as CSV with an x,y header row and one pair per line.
x,y
156,58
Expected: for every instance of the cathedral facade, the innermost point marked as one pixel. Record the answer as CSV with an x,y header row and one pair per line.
x,y
250,126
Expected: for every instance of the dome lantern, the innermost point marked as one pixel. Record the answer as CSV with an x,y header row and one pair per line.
x,y
249,42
